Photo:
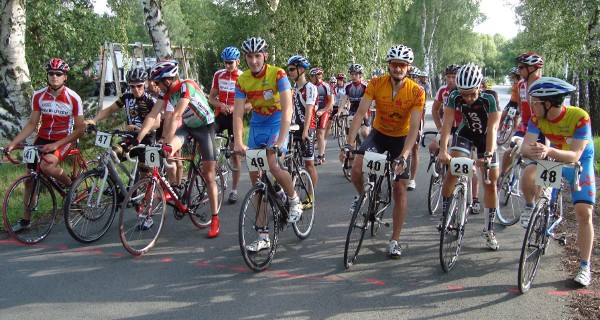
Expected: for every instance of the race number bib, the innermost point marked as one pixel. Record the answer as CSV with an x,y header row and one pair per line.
x,y
462,166
512,112
152,156
374,163
257,159
103,139
29,154
548,174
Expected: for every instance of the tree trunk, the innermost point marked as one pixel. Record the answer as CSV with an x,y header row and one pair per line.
x,y
159,33
594,100
14,109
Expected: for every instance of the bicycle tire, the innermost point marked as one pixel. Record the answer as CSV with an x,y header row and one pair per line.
x,y
504,133
134,238
383,199
197,198
88,215
356,231
341,139
43,213
511,202
452,231
306,191
533,247
346,168
434,193
256,202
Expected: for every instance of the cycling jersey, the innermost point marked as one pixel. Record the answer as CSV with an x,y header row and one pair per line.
x,y
198,113
324,93
136,108
224,81
573,123
475,116
57,112
442,97
524,102
307,95
394,112
262,91
338,92
355,92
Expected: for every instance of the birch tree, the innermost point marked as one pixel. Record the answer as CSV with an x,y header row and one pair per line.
x,y
159,33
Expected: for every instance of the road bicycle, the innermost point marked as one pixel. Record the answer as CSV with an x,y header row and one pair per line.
x,y
460,205
34,194
224,156
546,215
374,199
510,196
437,177
95,197
507,127
265,210
141,222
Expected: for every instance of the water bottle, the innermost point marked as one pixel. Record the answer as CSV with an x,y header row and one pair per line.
x,y
280,193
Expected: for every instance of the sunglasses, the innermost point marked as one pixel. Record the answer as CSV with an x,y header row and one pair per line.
x,y
229,62
291,69
398,64
136,85
55,73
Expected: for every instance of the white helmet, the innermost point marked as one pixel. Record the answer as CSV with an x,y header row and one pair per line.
x,y
469,77
548,87
400,52
254,44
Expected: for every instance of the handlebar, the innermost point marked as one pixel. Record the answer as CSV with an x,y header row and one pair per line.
x,y
426,133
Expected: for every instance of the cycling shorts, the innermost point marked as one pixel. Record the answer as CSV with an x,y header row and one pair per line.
x,y
223,122
265,135
463,145
323,120
587,182
307,146
204,136
379,142
61,152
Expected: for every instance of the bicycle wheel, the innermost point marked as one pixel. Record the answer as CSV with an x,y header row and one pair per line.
x,y
510,199
197,198
140,224
356,231
346,169
40,203
533,247
434,194
89,211
341,139
382,201
258,218
452,230
306,191
505,132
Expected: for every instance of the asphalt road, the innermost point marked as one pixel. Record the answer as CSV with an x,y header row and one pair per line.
x,y
187,276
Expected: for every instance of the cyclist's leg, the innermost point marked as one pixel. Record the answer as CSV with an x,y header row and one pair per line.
x,y
321,137
177,142
51,164
205,137
308,155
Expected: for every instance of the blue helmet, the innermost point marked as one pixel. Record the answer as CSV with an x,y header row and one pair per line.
x,y
298,61
230,53
550,87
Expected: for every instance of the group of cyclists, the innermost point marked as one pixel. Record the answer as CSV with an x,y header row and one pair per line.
x,y
164,108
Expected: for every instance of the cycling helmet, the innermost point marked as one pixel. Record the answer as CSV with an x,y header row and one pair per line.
x,y
513,70
254,44
57,64
340,76
137,75
414,71
424,74
355,67
469,77
378,72
332,80
230,53
452,69
400,52
549,87
298,61
316,71
531,59
164,69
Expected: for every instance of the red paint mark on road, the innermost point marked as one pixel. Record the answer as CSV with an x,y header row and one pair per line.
x,y
456,288
375,281
332,278
220,266
412,284
514,290
585,292
202,264
239,269
63,247
118,254
558,293
92,251
166,260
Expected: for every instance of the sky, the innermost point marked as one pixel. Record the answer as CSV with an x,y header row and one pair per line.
x,y
500,18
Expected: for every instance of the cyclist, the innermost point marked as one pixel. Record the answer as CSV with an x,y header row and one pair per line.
x,y
399,102
58,111
221,96
186,104
353,92
425,83
305,115
477,128
268,89
325,103
514,78
414,73
137,103
337,88
570,131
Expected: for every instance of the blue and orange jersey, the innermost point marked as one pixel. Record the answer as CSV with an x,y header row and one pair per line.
x,y
262,91
573,123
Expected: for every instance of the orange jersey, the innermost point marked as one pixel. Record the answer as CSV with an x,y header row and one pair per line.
x,y
393,112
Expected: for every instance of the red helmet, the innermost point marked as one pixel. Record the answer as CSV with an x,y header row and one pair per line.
x,y
317,71
57,64
531,59
340,76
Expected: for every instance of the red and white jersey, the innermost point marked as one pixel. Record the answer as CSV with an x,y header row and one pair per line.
x,y
442,96
57,112
224,82
525,107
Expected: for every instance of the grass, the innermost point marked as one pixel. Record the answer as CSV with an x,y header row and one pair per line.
x,y
597,152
